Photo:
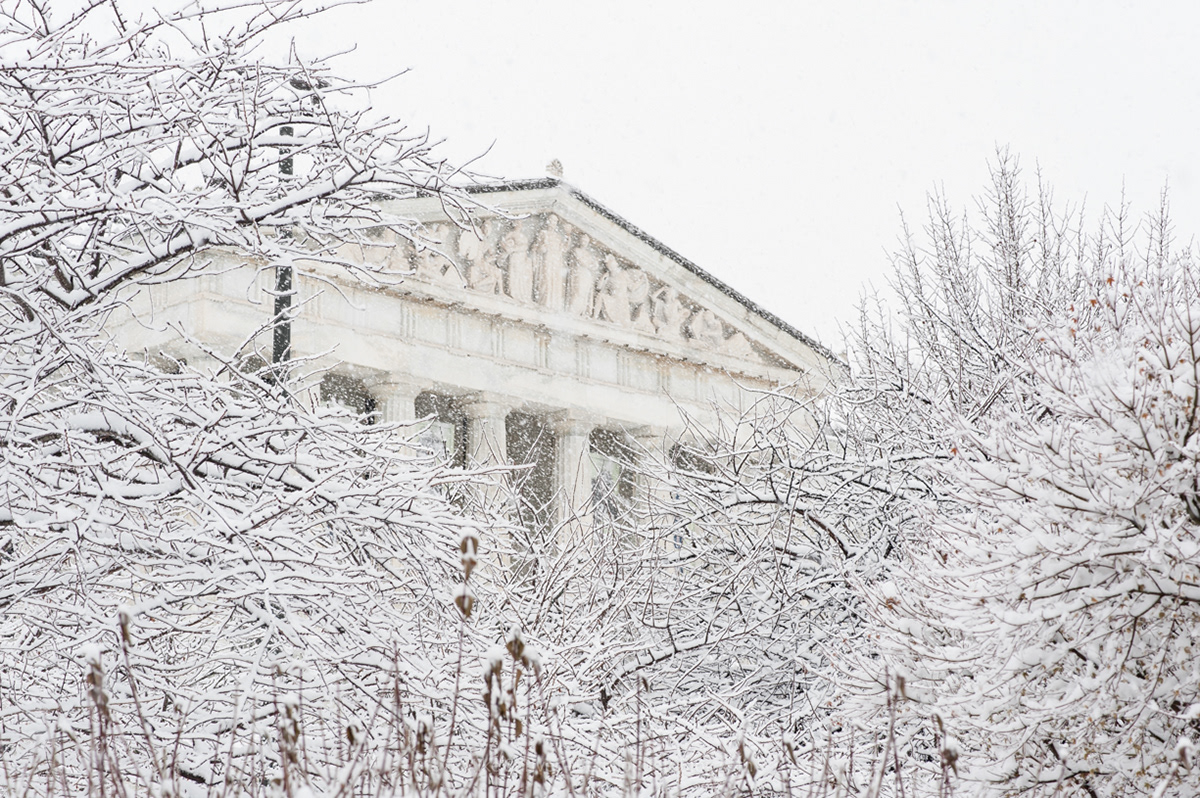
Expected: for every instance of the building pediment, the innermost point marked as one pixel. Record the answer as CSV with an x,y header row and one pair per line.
x,y
551,257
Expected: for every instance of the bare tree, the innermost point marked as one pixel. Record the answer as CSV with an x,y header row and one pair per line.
x,y
1032,404
977,560
192,563
133,149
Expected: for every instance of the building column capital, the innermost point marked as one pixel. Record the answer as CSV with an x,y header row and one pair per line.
x,y
649,438
573,422
396,397
487,415
486,404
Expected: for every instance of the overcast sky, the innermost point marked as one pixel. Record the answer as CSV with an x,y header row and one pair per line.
x,y
775,143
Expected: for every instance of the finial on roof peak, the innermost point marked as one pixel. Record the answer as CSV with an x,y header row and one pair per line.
x,y
554,168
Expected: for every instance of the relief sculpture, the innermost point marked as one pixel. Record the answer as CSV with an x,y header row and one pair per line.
x,y
581,281
479,254
395,249
739,346
430,264
549,248
520,277
669,314
639,301
707,330
533,263
613,296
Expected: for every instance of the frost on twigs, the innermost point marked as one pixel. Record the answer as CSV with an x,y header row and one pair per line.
x,y
207,588
1033,403
207,530
136,145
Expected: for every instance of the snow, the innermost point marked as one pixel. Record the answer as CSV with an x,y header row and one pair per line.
x,y
993,522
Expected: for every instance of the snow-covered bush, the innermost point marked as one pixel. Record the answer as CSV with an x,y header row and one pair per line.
x,y
704,623
1036,403
976,568
191,563
1051,619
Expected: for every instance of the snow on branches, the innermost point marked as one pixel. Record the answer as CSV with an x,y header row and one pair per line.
x,y
1045,608
133,144
191,563
1068,646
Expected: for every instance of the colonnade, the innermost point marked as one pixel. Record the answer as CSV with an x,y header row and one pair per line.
x,y
493,420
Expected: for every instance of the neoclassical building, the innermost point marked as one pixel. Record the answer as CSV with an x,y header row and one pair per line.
x,y
557,334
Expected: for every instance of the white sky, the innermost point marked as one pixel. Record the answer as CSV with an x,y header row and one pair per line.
x,y
774,143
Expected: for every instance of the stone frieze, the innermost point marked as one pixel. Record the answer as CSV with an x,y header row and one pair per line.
x,y
544,262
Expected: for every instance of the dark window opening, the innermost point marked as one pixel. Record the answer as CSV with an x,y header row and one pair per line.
x,y
531,441
285,164
690,460
351,394
613,481
448,425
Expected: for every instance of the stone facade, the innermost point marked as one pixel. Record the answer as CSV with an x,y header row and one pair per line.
x,y
555,333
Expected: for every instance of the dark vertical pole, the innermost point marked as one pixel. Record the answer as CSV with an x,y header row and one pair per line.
x,y
282,334
282,343
285,164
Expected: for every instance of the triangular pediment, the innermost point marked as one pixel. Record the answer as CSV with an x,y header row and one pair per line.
x,y
551,257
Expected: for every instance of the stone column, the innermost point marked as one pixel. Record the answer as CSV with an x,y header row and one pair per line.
x,y
395,399
650,443
574,482
487,443
650,451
